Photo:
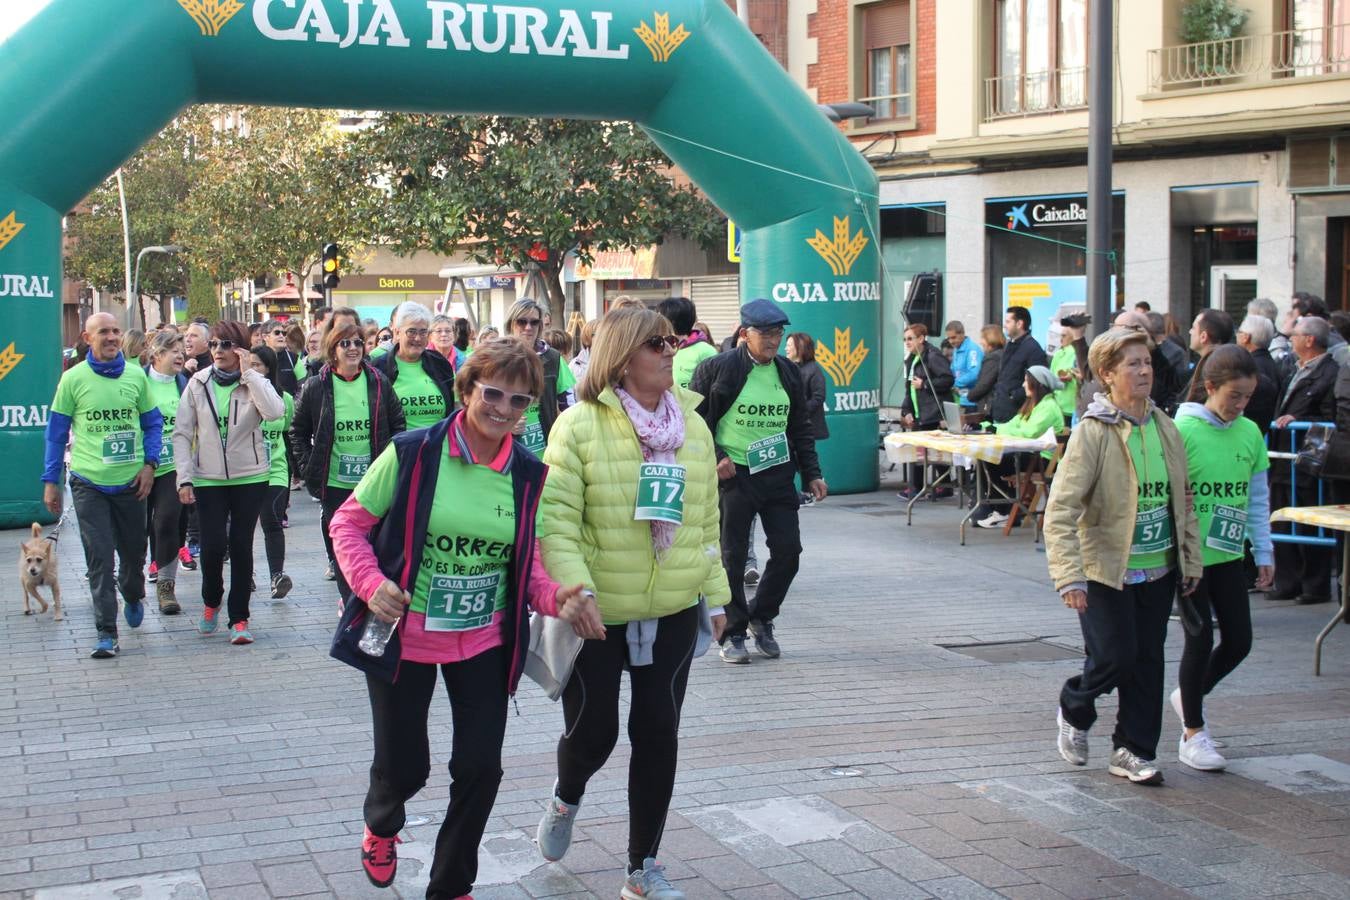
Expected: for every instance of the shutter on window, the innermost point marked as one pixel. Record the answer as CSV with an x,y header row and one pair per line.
x,y
886,25
1309,163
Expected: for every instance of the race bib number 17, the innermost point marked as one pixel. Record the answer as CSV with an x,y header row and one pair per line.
x,y
660,493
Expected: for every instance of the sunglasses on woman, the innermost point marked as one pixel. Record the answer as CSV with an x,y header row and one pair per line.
x,y
657,343
221,345
348,343
529,323
494,395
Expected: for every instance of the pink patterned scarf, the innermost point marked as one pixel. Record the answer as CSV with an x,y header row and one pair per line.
x,y
660,435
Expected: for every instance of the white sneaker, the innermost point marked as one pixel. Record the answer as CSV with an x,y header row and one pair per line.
x,y
1125,764
993,520
1198,752
1181,717
1072,742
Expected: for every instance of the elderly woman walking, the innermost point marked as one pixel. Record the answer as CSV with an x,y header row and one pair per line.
x,y
428,511
1119,534
423,379
223,468
345,417
631,510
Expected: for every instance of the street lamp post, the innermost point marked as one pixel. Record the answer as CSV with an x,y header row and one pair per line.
x,y
168,249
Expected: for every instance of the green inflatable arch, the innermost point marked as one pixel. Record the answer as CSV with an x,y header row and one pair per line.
x,y
85,82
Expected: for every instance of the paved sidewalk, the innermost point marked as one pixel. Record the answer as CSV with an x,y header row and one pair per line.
x,y
877,758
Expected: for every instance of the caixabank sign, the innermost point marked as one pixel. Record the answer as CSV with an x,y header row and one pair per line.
x,y
686,71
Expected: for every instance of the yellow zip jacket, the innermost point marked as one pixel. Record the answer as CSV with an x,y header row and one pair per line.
x,y
1089,518
587,529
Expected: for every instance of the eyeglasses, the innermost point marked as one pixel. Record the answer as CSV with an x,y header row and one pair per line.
x,y
657,343
494,395
768,332
416,333
221,345
529,323
348,343
281,331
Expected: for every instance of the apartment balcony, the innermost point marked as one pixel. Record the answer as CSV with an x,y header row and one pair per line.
x,y
1252,60
1035,93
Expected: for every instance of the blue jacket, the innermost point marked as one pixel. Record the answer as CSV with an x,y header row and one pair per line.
x,y
399,538
966,361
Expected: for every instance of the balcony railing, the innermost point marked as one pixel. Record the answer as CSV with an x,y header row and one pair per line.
x,y
889,106
1034,93
1282,54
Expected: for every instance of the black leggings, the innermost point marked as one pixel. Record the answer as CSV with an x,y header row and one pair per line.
x,y
333,498
228,516
1223,588
591,722
167,524
477,689
274,538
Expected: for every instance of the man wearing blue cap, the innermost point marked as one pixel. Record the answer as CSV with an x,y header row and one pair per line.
x,y
755,406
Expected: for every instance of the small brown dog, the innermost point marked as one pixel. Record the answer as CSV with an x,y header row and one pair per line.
x,y
37,566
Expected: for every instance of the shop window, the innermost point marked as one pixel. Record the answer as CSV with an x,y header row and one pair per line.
x,y
888,59
1320,36
1040,57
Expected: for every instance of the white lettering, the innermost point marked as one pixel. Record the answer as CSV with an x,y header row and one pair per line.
x,y
815,292
23,416
520,30
442,26
264,23
36,286
479,29
353,23
314,16
855,401
387,21
1073,213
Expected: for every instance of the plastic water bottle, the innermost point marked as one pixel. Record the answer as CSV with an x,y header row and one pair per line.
x,y
376,635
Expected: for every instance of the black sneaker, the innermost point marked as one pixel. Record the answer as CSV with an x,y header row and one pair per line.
x,y
331,574
764,642
281,585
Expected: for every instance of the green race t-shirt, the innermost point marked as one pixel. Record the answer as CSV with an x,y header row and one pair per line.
x,y
534,428
351,432
470,537
274,440
1222,462
220,396
687,360
753,432
1067,396
105,416
165,395
423,402
1152,544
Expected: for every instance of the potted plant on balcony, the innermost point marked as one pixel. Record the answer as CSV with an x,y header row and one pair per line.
x,y
1209,28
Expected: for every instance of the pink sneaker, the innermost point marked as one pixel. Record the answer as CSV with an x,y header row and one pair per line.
x,y
379,857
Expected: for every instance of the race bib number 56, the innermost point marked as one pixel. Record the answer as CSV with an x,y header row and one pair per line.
x,y
767,453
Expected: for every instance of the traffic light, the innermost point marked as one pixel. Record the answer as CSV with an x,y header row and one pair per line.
x,y
331,275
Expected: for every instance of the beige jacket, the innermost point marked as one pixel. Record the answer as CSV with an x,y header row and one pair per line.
x,y
1089,519
198,450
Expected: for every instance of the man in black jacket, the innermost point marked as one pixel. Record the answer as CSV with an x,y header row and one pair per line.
x,y
755,406
1303,572
1021,353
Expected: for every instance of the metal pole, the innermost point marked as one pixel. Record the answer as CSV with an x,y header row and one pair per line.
x,y
135,288
126,243
743,11
1100,120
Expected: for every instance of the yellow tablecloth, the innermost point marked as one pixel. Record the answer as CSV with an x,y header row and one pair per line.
x,y
1336,518
945,447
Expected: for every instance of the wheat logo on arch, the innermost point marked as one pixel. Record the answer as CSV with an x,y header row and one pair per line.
x,y
844,361
661,41
9,358
841,252
211,15
10,226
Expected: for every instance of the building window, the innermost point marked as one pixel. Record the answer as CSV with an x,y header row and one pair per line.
x,y
1321,36
1040,58
889,59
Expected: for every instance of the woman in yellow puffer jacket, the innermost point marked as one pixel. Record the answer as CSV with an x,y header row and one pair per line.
x,y
630,510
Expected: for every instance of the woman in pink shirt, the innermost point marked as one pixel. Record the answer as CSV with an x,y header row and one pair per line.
x,y
440,536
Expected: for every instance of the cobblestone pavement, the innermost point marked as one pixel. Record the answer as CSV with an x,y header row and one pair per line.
x,y
878,758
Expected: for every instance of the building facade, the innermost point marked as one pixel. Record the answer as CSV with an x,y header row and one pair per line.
x,y
1230,181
